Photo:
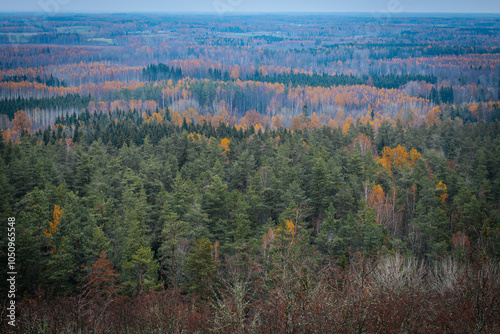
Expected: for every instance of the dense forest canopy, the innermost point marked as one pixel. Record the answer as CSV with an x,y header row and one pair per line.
x,y
251,174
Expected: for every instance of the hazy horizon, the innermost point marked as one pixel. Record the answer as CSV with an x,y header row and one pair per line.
x,y
186,12
253,7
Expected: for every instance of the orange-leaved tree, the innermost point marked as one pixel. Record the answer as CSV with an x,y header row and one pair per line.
x,y
21,121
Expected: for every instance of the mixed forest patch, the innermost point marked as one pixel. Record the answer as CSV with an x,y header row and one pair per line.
x,y
257,174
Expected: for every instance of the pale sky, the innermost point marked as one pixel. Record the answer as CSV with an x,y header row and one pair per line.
x,y
228,6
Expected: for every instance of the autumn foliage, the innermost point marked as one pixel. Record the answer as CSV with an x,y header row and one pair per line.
x,y
251,174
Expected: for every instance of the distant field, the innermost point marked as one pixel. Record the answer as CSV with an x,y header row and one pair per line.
x,y
74,29
19,37
80,46
19,33
252,34
101,39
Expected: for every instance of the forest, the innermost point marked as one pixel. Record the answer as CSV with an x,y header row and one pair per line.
x,y
251,174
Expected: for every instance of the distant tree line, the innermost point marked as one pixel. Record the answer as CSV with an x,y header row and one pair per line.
x,y
50,81
10,106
